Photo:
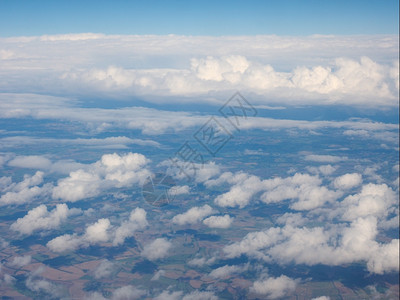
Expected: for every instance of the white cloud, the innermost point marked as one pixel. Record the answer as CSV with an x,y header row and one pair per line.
x,y
312,246
218,221
304,190
198,295
30,161
167,295
241,192
20,261
112,170
24,191
324,169
128,292
325,158
353,70
373,200
98,232
193,215
157,249
137,220
40,218
201,261
42,162
274,287
321,298
224,271
105,269
157,275
101,232
94,234
348,181
149,121
36,284
179,190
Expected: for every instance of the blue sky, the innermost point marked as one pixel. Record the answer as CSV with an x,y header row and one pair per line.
x,y
287,17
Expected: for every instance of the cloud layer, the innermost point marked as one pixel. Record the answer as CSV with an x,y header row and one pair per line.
x,y
356,70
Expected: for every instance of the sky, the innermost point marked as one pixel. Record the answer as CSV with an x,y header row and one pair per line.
x,y
216,18
274,123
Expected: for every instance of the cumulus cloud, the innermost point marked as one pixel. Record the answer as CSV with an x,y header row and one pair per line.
x,y
137,220
157,249
24,191
225,271
353,70
112,170
348,181
40,218
198,295
167,295
240,194
128,292
304,190
218,221
373,200
100,232
94,234
105,269
39,285
312,246
274,287
193,215
20,261
201,261
179,190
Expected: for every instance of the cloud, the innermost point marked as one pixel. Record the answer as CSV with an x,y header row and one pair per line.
x,y
373,200
218,221
312,246
198,295
241,192
167,295
128,292
348,181
321,298
193,215
39,285
325,158
105,269
20,261
137,220
324,170
94,234
201,261
304,190
270,67
148,120
157,275
97,232
24,191
274,287
101,232
157,249
225,271
30,161
179,190
112,170
40,218
41,162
